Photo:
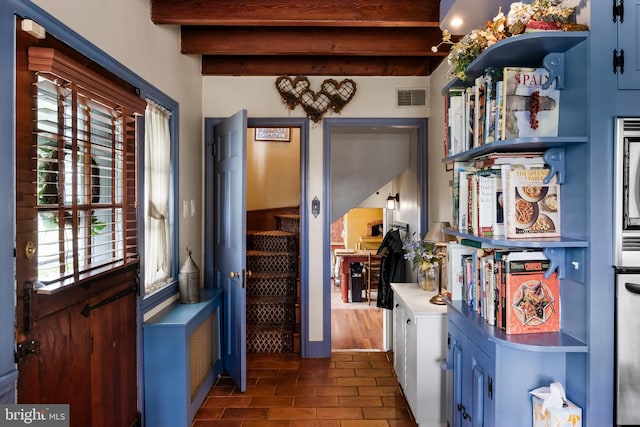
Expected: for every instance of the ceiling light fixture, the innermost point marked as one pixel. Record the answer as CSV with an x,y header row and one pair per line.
x,y
456,22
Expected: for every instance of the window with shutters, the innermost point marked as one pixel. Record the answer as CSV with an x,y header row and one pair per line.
x,y
84,145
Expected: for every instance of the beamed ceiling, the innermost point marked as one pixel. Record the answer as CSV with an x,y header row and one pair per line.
x,y
307,37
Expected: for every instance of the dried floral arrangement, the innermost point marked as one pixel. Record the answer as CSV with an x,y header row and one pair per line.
x,y
540,15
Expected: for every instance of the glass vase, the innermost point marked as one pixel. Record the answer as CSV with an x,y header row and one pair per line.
x,y
428,277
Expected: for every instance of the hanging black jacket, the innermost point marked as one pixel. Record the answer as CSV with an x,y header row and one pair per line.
x,y
392,267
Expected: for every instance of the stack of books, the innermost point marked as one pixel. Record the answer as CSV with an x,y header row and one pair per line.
x,y
505,194
506,288
504,103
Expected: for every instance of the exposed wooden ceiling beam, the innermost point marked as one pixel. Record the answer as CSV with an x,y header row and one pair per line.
x,y
372,13
319,65
309,41
308,37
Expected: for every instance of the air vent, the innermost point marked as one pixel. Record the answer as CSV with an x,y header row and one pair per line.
x,y
411,97
631,125
630,243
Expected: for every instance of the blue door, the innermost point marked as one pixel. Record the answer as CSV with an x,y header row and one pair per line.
x,y
230,138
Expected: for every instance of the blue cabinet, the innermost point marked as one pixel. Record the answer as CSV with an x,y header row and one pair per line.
x,y
472,369
182,358
492,372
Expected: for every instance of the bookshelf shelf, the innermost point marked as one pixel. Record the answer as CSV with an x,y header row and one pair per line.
x,y
533,243
524,50
515,145
538,342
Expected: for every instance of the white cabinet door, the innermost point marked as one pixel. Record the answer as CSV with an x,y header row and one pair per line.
x,y
399,343
411,364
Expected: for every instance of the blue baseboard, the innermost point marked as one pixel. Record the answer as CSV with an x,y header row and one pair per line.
x,y
8,387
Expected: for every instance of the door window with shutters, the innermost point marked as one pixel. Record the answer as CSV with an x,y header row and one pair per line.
x,y
84,145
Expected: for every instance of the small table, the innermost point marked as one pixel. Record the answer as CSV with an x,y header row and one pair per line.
x,y
348,256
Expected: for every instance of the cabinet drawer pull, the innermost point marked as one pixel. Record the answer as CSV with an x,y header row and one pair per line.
x,y
408,321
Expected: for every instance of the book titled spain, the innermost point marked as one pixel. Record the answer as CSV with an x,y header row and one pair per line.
x,y
532,301
532,206
530,110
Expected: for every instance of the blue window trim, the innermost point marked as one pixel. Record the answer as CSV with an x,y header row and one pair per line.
x,y
146,90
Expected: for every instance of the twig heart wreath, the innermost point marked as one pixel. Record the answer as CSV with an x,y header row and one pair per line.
x,y
333,95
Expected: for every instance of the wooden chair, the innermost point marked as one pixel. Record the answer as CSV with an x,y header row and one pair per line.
x,y
371,273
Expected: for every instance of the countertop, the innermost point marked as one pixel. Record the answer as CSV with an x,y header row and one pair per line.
x,y
417,300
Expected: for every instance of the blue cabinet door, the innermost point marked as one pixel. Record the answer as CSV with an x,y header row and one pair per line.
x,y
471,391
481,388
629,42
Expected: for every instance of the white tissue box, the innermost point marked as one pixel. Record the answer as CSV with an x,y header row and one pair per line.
x,y
569,416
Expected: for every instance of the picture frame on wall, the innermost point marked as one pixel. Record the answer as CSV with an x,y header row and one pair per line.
x,y
273,134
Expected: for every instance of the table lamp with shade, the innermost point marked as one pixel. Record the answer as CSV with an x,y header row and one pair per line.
x,y
440,239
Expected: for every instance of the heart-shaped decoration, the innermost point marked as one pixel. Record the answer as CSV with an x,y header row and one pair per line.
x,y
315,104
339,93
290,89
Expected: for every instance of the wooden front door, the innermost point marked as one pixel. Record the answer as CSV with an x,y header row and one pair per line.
x,y
76,344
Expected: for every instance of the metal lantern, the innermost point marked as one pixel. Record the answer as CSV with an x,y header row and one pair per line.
x,y
189,281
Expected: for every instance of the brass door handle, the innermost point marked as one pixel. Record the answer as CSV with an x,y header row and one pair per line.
x,y
30,249
233,274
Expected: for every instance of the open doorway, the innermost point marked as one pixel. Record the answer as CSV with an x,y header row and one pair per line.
x,y
273,192
356,321
371,158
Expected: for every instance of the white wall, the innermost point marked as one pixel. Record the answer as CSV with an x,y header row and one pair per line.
x,y
361,164
123,29
374,97
440,196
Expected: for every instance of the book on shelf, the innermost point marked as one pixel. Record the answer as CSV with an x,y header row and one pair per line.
x,y
532,208
500,256
488,288
471,243
494,159
499,110
492,77
532,303
455,266
463,203
459,195
488,212
470,102
455,122
479,111
529,110
472,212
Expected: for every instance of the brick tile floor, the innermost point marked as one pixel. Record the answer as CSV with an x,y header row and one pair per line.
x,y
349,389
